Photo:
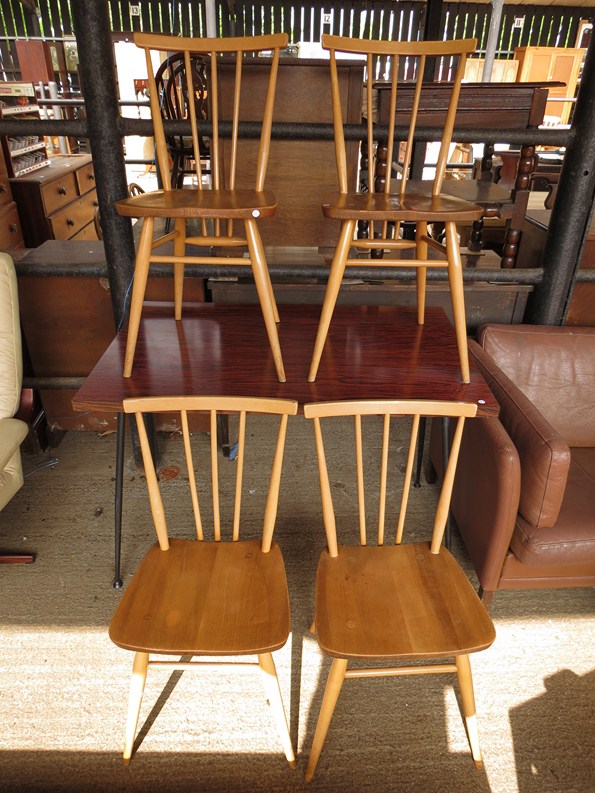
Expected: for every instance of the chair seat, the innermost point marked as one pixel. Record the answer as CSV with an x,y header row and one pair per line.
x,y
397,601
191,202
205,598
417,205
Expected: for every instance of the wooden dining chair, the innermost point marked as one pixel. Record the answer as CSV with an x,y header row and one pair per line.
x,y
225,215
207,596
401,199
390,601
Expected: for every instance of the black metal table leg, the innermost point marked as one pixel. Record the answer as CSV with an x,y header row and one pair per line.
x,y
120,438
445,454
421,437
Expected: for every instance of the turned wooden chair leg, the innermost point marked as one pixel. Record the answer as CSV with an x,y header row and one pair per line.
x,y
141,273
273,692
179,250
334,683
457,295
332,291
468,699
265,293
137,686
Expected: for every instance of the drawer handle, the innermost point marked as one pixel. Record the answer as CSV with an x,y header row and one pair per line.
x,y
12,228
61,191
92,177
69,222
2,188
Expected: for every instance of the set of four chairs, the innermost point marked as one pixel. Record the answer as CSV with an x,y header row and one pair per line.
x,y
384,601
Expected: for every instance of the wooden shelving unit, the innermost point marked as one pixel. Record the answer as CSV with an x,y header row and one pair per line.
x,y
23,153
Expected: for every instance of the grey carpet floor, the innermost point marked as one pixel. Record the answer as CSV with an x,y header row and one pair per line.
x,y
64,686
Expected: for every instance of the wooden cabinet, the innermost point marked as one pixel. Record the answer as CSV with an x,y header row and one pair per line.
x,y
581,308
11,237
300,172
23,153
503,70
552,64
59,202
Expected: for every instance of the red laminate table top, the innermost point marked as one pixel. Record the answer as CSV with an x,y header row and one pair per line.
x,y
372,352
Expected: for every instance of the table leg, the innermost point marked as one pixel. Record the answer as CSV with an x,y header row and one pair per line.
x,y
421,436
120,438
445,454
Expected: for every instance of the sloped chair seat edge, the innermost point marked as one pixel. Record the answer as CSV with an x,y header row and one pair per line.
x,y
413,206
198,618
191,202
435,626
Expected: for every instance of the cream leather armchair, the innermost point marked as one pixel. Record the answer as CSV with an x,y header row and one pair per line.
x,y
12,431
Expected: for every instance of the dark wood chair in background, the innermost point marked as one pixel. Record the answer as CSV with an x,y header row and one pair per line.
x,y
172,87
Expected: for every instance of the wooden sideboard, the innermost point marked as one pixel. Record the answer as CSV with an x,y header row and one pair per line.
x,y
300,172
68,322
57,202
11,237
581,310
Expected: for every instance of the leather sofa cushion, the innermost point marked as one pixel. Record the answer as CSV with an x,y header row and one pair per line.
x,y
555,368
544,456
572,539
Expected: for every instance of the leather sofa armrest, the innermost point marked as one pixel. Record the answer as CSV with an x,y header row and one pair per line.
x,y
544,456
12,433
485,498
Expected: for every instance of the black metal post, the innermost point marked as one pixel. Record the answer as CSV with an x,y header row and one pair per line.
x,y
572,210
431,32
97,71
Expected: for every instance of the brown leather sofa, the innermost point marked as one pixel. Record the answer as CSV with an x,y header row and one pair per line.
x,y
524,495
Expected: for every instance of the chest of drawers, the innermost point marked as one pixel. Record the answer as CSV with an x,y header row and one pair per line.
x,y
11,237
57,202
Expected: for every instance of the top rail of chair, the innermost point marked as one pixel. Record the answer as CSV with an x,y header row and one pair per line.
x,y
377,47
159,41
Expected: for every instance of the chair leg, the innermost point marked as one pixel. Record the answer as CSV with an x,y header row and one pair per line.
x,y
421,252
331,293
265,293
334,683
179,250
468,698
273,692
137,686
141,273
457,295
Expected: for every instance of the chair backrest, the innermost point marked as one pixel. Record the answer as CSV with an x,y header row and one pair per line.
x,y
554,367
386,410
11,361
240,406
229,53
403,101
